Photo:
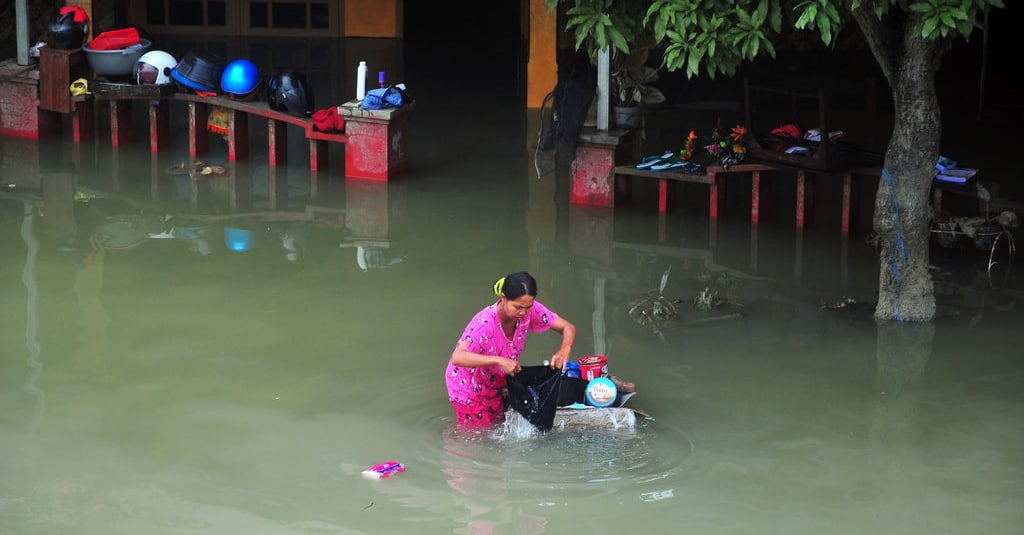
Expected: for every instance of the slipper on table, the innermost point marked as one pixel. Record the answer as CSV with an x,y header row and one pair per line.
x,y
648,161
671,163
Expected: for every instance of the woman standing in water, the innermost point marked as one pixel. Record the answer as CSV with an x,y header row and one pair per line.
x,y
490,346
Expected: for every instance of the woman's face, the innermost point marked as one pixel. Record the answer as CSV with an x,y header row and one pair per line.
x,y
516,308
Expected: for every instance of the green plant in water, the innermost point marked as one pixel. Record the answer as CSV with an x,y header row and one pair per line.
x,y
654,309
711,296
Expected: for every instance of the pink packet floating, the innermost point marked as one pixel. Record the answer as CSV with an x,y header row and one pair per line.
x,y
383,470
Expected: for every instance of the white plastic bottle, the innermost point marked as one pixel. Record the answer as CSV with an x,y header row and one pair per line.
x,y
361,81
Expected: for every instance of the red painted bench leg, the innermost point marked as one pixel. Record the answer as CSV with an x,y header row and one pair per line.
x,y
801,180
83,122
847,179
713,195
273,185
198,138
755,197
277,137
662,227
238,135
120,122
317,154
662,195
159,125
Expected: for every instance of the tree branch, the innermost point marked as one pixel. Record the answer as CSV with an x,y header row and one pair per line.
x,y
881,39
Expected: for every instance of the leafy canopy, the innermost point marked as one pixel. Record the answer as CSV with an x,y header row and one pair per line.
x,y
718,35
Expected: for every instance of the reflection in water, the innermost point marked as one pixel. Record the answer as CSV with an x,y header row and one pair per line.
x,y
895,419
484,487
93,320
28,278
374,255
513,478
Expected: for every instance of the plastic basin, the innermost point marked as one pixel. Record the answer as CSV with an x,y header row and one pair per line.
x,y
116,62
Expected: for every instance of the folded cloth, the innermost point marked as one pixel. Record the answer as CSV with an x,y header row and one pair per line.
x,y
217,120
328,120
115,39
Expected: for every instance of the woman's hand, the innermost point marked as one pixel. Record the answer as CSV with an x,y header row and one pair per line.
x,y
510,366
462,356
568,331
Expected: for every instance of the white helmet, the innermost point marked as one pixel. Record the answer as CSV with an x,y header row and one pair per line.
x,y
154,68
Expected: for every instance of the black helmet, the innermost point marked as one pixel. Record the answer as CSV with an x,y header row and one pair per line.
x,y
198,71
290,91
69,29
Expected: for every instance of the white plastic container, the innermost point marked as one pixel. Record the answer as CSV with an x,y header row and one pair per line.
x,y
361,81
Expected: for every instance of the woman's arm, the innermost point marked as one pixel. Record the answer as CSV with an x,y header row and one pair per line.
x,y
568,331
463,357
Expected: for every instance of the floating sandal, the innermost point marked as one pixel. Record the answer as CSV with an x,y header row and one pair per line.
x,y
649,161
671,163
180,168
167,234
200,170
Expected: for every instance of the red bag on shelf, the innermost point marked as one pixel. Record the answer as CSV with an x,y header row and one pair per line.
x,y
115,39
328,120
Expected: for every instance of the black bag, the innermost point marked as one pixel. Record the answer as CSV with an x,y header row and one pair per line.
x,y
533,393
572,390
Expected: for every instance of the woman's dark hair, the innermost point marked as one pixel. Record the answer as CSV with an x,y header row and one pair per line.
x,y
516,285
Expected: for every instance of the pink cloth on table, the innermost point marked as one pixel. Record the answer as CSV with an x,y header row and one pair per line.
x,y
477,390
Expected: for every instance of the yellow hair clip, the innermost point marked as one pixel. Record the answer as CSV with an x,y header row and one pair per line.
x,y
498,286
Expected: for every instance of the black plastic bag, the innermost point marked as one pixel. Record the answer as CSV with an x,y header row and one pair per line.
x,y
533,393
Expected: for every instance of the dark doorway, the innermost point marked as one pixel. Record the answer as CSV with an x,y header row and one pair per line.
x,y
469,46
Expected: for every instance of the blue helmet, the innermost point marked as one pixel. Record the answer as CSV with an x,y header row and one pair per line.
x,y
240,79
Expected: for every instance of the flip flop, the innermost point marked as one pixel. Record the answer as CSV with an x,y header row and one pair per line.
x,y
691,167
180,168
649,161
200,170
671,163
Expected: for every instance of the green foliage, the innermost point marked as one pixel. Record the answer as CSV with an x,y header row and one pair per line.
x,y
600,23
653,309
631,78
716,36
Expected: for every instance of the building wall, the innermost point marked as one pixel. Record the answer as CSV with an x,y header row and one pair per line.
x,y
373,18
42,13
362,18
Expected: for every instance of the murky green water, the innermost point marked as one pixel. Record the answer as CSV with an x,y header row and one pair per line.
x,y
174,385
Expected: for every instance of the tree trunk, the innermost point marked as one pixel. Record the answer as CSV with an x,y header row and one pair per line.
x,y
903,213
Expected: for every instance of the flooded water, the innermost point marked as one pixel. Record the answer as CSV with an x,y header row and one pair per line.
x,y
205,356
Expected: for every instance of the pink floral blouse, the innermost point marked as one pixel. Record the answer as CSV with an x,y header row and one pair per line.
x,y
483,335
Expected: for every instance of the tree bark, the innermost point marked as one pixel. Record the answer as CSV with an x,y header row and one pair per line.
x,y
903,215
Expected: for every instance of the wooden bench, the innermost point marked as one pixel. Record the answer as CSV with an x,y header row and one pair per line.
x,y
375,140
711,175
